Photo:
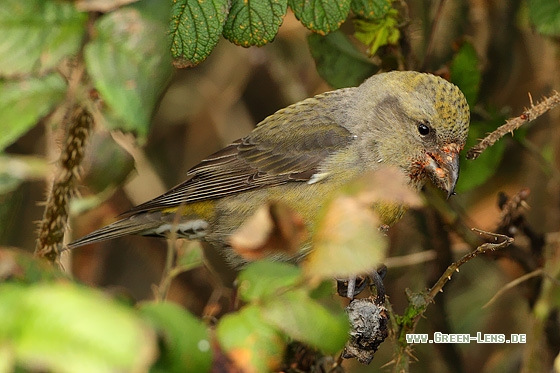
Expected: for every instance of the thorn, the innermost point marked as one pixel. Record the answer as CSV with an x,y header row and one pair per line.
x,y
457,269
531,99
449,277
441,290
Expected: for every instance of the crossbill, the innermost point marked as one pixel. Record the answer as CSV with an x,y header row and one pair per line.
x,y
303,154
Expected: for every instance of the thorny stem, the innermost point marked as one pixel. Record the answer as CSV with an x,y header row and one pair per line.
x,y
501,241
511,125
418,303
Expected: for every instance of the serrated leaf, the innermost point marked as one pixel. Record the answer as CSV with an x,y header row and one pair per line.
x,y
62,327
23,103
254,22
305,320
465,72
371,9
185,342
250,341
195,29
37,35
338,61
321,16
545,15
264,278
130,63
378,32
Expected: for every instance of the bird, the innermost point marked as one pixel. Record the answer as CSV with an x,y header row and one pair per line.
x,y
304,153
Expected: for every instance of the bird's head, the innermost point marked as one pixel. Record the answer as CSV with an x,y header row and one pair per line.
x,y
419,122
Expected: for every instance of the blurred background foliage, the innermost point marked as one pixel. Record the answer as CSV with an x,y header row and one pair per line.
x,y
497,51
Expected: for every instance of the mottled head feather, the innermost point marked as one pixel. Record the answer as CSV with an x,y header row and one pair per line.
x,y
448,100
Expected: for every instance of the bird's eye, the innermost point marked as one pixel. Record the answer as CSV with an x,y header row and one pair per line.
x,y
423,129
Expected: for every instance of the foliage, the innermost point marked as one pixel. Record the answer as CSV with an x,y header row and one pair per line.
x,y
116,60
545,15
64,327
197,25
333,54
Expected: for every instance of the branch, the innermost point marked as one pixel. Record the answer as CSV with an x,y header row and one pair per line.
x,y
501,241
418,302
511,125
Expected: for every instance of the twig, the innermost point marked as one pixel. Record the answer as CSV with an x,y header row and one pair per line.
x,y
410,259
432,36
511,125
501,241
418,302
161,291
513,284
512,208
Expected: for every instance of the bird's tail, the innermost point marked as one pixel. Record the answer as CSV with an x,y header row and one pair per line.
x,y
142,224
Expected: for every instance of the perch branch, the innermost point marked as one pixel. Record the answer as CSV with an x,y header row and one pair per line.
x,y
513,124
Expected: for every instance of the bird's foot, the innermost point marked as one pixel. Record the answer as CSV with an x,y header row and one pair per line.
x,y
354,285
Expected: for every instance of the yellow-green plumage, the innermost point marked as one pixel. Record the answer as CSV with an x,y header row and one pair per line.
x,y
304,153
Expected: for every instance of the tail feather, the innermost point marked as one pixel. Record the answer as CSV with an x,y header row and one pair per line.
x,y
146,224
120,228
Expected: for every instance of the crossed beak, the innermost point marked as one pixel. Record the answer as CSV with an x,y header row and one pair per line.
x,y
443,167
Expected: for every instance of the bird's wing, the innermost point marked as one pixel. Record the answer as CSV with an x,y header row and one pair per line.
x,y
276,152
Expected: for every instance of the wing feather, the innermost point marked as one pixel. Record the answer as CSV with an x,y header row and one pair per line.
x,y
276,152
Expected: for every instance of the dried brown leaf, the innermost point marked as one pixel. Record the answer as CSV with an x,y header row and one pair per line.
x,y
347,241
273,230
387,184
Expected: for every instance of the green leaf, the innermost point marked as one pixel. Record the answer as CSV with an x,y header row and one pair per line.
x,y
305,320
378,32
338,61
265,278
15,169
108,164
321,16
23,103
465,72
130,63
21,266
62,327
185,343
545,15
371,9
195,29
190,255
475,173
250,341
37,35
254,22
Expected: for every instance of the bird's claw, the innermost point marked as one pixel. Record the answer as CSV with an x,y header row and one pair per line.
x,y
354,285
